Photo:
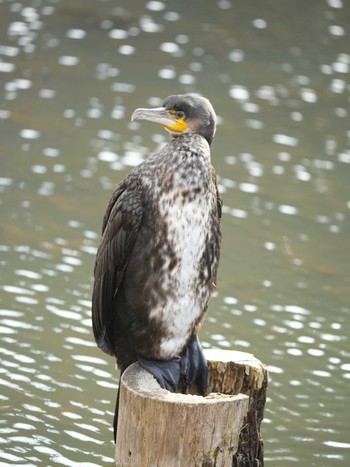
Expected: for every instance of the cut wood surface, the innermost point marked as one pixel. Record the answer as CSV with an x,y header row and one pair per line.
x,y
158,428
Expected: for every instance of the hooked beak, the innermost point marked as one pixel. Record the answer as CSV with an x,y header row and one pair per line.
x,y
159,115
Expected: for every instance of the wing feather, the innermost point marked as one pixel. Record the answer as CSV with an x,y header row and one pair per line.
x,y
120,228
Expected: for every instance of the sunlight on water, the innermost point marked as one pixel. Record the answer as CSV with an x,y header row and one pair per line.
x,y
72,73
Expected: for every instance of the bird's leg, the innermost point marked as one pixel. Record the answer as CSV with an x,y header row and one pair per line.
x,y
194,366
166,372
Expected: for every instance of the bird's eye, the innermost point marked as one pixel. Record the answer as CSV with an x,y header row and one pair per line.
x,y
180,114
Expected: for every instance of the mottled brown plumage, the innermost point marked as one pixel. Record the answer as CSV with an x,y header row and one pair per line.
x,y
157,262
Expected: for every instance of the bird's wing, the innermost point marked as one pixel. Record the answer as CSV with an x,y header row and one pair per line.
x,y
218,196
120,227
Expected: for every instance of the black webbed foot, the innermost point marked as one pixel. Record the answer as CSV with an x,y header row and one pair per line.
x,y
194,366
166,372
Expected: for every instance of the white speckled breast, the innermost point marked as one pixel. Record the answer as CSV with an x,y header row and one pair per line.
x,y
187,205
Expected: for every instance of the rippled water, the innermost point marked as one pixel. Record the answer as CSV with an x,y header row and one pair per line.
x,y
277,73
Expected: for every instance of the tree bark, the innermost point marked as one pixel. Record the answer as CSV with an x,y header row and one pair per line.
x,y
245,374
157,428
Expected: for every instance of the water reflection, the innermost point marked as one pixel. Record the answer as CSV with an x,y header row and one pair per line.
x,y
72,73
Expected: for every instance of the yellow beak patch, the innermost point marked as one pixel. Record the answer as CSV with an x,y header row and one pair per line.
x,y
179,125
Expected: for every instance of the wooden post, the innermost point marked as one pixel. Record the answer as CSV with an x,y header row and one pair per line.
x,y
240,372
157,428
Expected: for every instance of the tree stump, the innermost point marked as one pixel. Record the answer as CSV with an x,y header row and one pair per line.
x,y
233,372
158,428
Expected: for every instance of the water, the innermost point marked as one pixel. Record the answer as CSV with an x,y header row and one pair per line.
x,y
277,73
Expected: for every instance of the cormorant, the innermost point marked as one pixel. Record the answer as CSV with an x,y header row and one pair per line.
x,y
158,257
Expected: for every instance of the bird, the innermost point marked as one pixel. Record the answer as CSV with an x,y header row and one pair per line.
x,y
157,262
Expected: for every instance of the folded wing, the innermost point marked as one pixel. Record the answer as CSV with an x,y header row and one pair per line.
x,y
120,228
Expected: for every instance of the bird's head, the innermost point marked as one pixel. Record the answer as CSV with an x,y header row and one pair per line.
x,y
186,113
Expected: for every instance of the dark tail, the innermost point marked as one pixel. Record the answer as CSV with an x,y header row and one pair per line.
x,y
116,412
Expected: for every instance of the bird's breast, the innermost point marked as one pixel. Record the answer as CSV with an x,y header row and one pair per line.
x,y
183,234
